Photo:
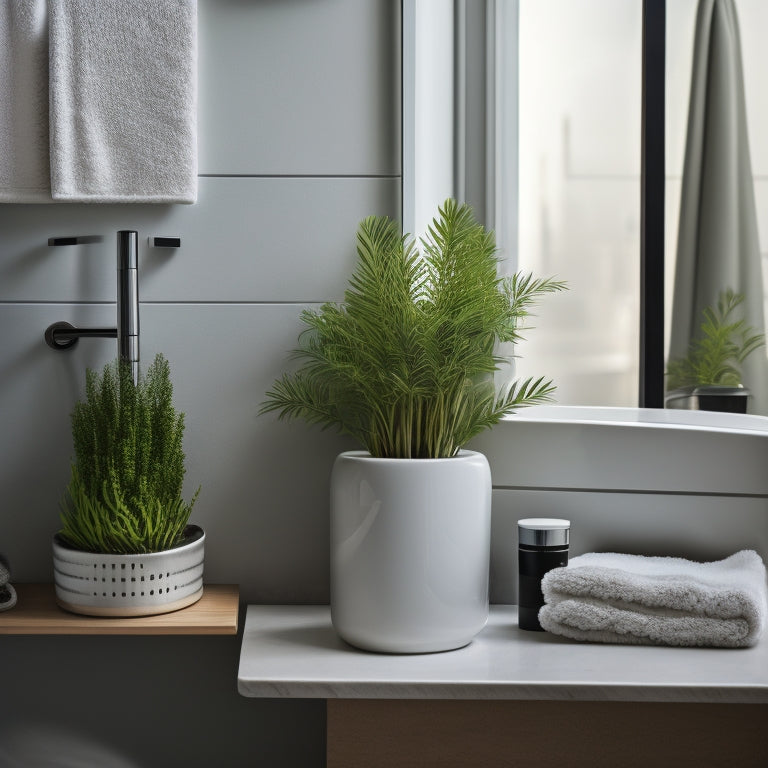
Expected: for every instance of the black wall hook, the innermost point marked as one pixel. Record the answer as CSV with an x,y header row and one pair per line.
x,y
166,242
75,240
63,335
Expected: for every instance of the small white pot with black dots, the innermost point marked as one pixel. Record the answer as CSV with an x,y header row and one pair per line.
x,y
129,585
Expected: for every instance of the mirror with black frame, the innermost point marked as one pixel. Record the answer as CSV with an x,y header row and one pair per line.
x,y
562,143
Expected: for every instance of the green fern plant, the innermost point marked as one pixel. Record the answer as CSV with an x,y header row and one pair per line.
x,y
124,494
716,357
405,365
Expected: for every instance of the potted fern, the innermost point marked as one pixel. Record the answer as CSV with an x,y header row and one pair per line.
x,y
125,547
405,366
710,372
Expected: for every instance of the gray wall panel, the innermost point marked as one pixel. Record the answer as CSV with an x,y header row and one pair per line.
x,y
308,87
38,387
247,239
264,495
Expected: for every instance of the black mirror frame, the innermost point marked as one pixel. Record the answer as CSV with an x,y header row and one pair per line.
x,y
651,385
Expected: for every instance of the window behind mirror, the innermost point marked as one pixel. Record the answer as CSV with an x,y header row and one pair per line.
x,y
579,102
546,145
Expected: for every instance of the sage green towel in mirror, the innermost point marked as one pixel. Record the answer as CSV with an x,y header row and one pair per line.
x,y
718,246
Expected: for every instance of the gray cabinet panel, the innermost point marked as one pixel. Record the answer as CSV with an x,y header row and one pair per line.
x,y
247,239
296,87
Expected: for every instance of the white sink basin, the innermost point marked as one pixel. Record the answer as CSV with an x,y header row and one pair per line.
x,y
657,482
638,449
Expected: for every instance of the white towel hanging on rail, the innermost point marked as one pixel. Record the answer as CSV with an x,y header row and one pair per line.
x,y
114,84
123,100
24,156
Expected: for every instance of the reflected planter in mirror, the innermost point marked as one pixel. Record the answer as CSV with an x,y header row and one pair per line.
x,y
410,548
721,398
710,398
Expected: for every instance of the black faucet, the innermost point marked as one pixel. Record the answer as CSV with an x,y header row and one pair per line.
x,y
63,335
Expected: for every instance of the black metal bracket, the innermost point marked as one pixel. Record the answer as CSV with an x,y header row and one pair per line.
x,y
651,383
166,242
63,335
75,240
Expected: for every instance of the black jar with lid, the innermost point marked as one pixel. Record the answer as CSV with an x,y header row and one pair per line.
x,y
543,545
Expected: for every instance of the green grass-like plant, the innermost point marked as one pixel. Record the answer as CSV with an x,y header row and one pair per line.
x,y
715,357
124,494
405,364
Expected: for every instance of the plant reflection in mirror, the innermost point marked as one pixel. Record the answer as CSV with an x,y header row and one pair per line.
x,y
716,357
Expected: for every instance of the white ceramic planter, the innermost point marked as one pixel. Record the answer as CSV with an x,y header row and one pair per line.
x,y
129,585
410,543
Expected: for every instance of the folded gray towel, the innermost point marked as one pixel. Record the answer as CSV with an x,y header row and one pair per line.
x,y
617,598
7,592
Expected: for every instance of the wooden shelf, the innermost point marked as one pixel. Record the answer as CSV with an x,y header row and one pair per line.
x,y
36,613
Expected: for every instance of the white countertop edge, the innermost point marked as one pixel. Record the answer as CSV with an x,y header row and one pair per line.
x,y
293,652
502,691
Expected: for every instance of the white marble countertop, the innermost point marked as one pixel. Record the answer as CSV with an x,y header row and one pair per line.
x,y
291,651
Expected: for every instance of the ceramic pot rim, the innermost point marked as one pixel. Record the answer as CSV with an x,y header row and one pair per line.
x,y
721,390
365,456
192,535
